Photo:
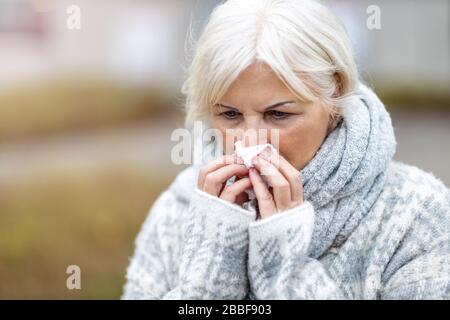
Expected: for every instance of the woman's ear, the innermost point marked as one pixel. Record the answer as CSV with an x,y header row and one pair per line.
x,y
335,114
334,119
339,85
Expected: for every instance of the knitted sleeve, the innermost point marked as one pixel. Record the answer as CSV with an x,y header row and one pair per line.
x,y
213,252
279,267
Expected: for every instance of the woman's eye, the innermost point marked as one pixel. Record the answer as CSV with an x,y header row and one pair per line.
x,y
278,114
230,114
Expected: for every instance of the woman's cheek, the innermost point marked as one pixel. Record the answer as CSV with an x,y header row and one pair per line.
x,y
289,147
296,147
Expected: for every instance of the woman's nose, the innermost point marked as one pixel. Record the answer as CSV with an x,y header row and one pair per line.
x,y
254,133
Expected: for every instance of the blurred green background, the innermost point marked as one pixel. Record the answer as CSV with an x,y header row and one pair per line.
x,y
86,117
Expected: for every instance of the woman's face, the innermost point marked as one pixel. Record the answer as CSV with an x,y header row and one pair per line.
x,y
258,100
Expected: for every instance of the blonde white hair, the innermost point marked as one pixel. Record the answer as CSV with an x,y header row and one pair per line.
x,y
301,40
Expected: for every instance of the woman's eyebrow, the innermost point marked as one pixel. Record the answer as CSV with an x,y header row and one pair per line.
x,y
220,105
278,104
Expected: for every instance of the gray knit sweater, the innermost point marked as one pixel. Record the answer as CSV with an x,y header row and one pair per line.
x,y
370,228
195,246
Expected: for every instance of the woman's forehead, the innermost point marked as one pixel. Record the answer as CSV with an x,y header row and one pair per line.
x,y
258,86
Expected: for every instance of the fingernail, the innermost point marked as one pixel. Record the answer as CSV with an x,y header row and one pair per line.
x,y
265,154
263,161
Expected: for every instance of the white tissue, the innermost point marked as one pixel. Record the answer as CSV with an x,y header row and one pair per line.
x,y
247,154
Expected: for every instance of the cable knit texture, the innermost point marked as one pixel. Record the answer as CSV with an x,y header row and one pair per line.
x,y
370,228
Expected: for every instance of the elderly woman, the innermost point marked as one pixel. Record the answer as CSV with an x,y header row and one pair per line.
x,y
337,218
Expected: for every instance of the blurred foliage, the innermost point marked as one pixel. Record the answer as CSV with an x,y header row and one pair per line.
x,y
87,216
70,103
86,219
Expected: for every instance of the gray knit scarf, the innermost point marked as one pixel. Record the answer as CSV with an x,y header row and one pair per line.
x,y
347,174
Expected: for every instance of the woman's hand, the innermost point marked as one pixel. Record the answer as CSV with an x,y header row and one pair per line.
x,y
213,177
283,179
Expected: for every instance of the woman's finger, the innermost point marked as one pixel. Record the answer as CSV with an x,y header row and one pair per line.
x,y
215,165
214,181
266,203
281,187
243,196
290,173
231,192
